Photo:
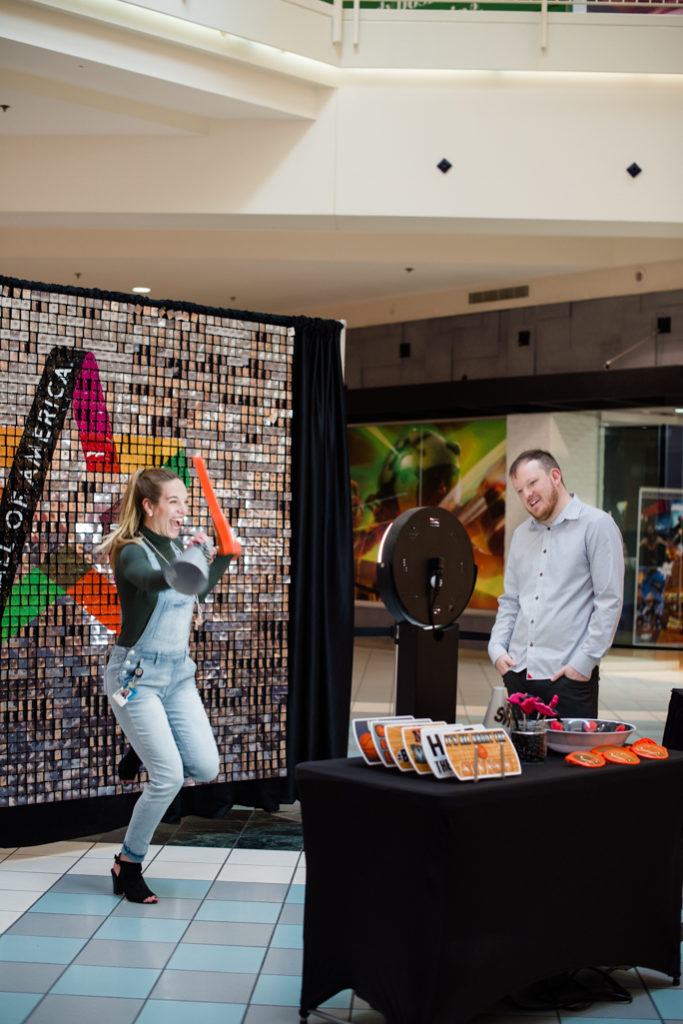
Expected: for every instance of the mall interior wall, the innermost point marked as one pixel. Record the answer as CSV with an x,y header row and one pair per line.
x,y
535,341
522,149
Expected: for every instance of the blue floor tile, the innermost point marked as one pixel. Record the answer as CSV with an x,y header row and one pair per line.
x,y
296,894
127,982
202,957
74,903
229,933
238,910
669,1002
288,936
39,949
168,1011
16,1006
277,990
182,909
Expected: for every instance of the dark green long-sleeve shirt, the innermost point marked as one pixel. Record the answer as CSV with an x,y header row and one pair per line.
x,y
138,583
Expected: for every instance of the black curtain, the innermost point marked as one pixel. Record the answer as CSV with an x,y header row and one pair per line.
x,y
321,592
321,595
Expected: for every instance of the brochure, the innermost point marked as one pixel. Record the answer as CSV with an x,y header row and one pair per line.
x,y
365,738
434,751
476,752
396,742
412,744
378,731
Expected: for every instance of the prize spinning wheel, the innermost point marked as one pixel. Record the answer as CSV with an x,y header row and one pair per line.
x,y
425,569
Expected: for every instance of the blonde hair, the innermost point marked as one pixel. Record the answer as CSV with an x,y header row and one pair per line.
x,y
144,483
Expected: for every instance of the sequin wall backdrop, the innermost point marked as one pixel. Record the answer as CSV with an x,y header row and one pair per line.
x,y
91,389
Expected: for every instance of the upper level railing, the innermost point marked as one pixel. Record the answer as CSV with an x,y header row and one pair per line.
x,y
619,6
544,7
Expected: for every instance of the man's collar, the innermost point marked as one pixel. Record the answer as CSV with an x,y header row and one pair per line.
x,y
572,510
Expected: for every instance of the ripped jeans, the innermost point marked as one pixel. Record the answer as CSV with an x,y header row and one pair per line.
x,y
165,720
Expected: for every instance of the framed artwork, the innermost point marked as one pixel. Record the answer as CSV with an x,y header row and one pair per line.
x,y
658,618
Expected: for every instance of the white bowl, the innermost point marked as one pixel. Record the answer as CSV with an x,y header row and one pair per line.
x,y
572,737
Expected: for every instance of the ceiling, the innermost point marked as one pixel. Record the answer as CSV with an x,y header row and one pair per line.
x,y
321,265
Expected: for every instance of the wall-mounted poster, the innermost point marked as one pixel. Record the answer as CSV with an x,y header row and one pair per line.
x,y
659,577
459,466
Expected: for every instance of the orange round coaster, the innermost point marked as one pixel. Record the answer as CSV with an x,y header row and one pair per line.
x,y
586,758
618,755
648,748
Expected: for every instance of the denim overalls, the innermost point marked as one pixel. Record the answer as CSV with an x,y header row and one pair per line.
x,y
165,720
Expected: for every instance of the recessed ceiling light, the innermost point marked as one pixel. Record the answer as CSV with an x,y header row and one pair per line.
x,y
141,289
678,410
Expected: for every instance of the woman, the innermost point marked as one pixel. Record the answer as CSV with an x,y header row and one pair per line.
x,y
150,677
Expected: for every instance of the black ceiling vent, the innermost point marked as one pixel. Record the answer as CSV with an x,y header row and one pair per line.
x,y
498,294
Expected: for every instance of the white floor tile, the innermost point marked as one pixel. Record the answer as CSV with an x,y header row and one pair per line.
x,y
56,865
105,851
264,857
181,869
18,899
196,854
91,866
32,881
631,714
255,873
8,917
66,848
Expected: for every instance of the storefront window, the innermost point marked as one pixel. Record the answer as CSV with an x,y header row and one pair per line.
x,y
643,490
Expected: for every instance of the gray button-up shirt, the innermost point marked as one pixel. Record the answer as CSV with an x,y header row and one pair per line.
x,y
563,592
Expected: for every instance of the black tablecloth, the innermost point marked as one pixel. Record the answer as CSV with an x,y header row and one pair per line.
x,y
433,899
673,727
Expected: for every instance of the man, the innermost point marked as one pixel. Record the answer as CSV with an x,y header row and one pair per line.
x,y
563,592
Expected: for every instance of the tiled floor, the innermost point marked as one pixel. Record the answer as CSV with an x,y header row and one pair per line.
x,y
224,945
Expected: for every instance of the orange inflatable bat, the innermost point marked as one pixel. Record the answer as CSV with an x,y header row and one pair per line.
x,y
227,544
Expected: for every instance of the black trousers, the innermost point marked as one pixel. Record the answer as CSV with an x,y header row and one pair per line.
x,y
577,699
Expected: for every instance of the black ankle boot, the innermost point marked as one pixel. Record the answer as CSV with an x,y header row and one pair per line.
x,y
129,765
130,883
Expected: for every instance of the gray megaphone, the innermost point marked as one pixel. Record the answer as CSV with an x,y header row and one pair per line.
x,y
498,714
189,574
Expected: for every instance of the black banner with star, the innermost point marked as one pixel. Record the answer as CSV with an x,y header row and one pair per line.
x,y
24,486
